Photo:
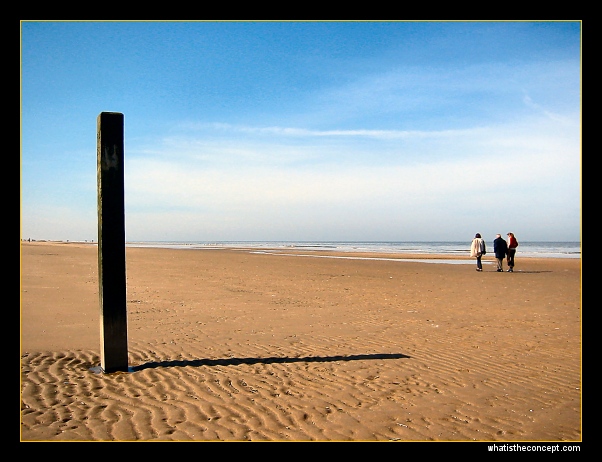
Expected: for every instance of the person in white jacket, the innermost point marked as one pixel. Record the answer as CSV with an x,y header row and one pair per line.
x,y
478,249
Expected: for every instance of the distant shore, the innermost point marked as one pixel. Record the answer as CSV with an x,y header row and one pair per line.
x,y
427,249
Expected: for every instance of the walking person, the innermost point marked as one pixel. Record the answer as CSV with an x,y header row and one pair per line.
x,y
500,249
512,245
478,249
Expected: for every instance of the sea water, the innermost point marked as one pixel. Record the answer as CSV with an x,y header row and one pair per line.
x,y
542,249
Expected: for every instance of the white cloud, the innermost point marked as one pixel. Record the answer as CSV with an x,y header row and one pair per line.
x,y
262,189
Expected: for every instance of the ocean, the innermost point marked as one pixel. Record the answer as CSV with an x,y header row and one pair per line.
x,y
456,248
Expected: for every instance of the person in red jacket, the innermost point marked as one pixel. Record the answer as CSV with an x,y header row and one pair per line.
x,y
512,245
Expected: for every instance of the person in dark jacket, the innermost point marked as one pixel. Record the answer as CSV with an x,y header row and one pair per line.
x,y
500,249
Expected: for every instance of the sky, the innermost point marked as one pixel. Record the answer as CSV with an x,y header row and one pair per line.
x,y
306,131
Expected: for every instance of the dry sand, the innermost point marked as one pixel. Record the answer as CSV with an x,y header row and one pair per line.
x,y
229,345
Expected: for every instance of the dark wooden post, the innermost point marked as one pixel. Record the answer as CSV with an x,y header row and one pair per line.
x,y
111,242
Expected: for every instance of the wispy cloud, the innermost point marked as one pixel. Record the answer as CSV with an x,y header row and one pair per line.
x,y
361,133
458,170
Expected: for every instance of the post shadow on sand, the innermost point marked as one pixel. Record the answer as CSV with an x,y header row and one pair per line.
x,y
269,360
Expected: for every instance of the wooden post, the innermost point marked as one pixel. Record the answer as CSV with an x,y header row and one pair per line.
x,y
111,242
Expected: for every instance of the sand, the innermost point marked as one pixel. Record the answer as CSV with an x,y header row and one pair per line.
x,y
230,345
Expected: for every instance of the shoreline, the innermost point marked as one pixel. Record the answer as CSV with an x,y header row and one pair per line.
x,y
305,252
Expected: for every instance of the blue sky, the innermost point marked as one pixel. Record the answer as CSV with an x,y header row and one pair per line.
x,y
346,131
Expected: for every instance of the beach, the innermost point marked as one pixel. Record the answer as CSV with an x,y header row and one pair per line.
x,y
239,345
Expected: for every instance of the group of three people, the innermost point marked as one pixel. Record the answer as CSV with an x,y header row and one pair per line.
x,y
501,248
